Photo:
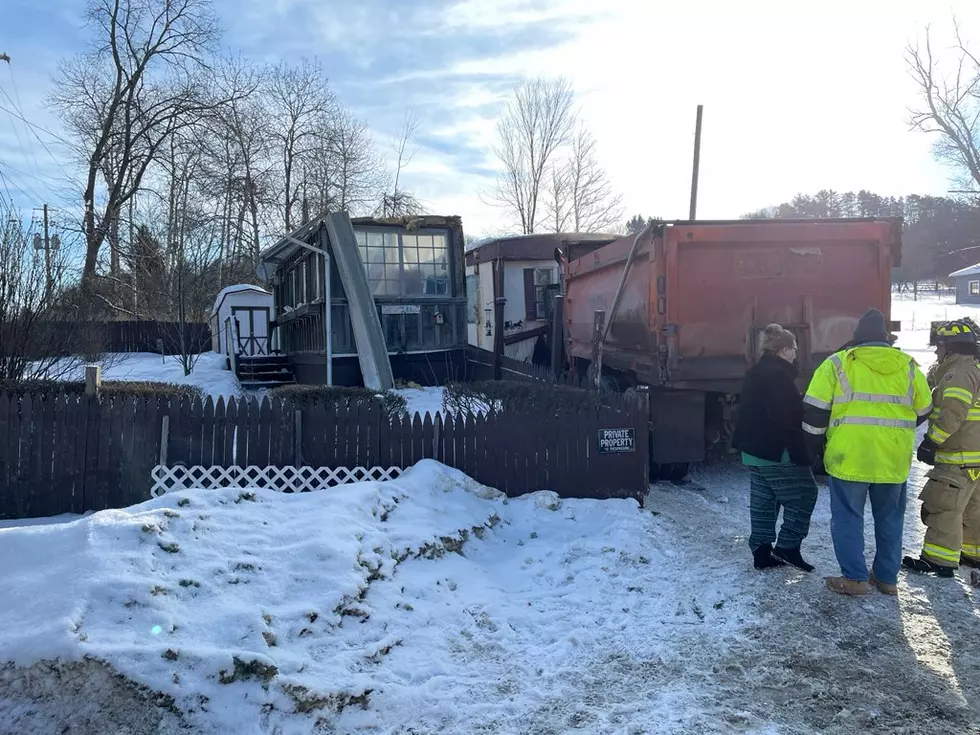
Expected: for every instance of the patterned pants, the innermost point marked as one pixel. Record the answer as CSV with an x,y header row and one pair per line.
x,y
787,486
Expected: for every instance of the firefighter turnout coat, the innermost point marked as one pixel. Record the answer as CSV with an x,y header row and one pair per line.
x,y
866,402
950,498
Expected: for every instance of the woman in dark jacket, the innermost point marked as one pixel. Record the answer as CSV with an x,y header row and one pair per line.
x,y
769,434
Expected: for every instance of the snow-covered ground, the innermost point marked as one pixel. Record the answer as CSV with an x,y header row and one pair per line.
x,y
209,373
430,605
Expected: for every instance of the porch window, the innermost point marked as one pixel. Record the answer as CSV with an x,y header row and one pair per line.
x,y
974,288
405,264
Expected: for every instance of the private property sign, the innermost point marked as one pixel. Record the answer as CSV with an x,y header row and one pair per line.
x,y
617,441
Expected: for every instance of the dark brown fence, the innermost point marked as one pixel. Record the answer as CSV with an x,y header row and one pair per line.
x,y
69,454
136,336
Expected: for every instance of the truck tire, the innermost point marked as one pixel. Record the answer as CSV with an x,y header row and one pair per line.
x,y
673,472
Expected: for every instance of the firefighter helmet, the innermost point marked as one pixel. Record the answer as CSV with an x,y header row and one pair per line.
x,y
958,331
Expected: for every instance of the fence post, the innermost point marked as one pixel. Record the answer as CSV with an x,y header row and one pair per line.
x,y
160,349
557,335
643,410
164,440
93,379
298,438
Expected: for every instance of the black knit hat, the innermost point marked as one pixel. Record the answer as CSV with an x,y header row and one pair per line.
x,y
871,327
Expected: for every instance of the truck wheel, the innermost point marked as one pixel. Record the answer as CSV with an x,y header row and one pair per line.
x,y
672,472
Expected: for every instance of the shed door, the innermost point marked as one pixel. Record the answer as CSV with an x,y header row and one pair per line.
x,y
253,330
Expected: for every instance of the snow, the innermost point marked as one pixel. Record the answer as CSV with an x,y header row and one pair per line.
x,y
430,604
210,373
422,400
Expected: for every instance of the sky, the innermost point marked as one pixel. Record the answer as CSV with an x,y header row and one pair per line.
x,y
797,97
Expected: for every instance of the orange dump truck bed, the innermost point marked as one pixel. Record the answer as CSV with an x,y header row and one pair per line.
x,y
699,294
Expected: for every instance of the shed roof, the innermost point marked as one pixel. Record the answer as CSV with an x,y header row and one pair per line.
x,y
240,288
972,270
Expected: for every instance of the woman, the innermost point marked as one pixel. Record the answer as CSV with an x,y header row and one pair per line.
x,y
769,434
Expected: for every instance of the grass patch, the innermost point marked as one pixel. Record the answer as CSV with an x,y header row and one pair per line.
x,y
189,583
306,700
248,670
170,547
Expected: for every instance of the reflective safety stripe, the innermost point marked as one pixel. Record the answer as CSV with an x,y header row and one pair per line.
x,y
971,550
928,411
815,430
871,421
960,394
934,413
974,474
961,459
826,405
938,435
850,395
973,415
941,553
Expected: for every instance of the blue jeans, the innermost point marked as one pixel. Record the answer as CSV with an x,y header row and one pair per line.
x,y
888,502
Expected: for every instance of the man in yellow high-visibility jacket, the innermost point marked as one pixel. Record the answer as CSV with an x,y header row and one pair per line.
x,y
950,497
860,414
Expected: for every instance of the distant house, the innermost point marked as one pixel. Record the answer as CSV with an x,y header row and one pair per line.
x,y
967,283
530,278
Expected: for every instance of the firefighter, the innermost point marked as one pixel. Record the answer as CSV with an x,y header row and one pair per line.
x,y
950,499
860,413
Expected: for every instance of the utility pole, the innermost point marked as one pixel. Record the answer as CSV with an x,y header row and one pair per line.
x,y
49,285
4,57
47,243
697,165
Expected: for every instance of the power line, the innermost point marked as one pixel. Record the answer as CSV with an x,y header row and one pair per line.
x,y
31,126
20,108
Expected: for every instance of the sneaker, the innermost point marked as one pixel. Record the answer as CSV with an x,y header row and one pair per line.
x,y
763,558
883,587
969,561
845,586
792,556
924,566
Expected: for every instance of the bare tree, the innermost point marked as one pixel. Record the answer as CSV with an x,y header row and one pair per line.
x,y
143,79
557,207
300,105
537,123
950,103
40,332
397,202
592,205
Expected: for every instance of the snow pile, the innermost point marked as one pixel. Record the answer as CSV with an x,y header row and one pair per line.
x,y
422,401
230,606
428,602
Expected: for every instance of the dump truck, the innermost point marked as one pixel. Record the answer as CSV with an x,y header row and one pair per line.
x,y
681,307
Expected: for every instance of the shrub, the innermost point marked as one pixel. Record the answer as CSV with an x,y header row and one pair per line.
x,y
521,397
114,388
393,403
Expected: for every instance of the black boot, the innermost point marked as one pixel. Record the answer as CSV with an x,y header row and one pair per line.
x,y
764,558
791,555
969,561
925,566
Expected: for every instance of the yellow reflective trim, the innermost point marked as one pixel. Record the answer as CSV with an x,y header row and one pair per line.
x,y
938,435
971,550
960,394
941,552
959,458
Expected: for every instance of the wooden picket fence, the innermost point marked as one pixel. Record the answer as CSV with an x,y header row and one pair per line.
x,y
70,454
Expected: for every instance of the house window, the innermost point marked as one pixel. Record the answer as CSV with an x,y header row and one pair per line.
x,y
536,282
402,264
974,288
472,299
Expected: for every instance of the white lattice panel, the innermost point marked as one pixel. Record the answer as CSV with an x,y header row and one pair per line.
x,y
287,479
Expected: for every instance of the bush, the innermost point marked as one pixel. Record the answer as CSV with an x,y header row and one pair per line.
x,y
112,388
393,403
521,397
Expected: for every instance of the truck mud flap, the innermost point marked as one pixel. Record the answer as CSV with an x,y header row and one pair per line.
x,y
677,426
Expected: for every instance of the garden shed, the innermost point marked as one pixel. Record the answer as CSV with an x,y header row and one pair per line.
x,y
242,313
